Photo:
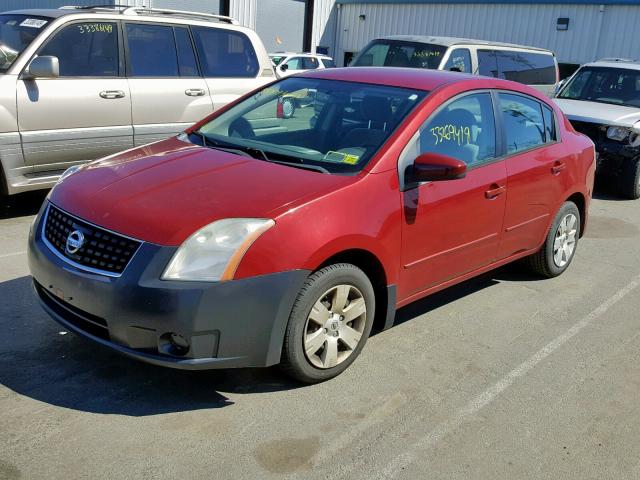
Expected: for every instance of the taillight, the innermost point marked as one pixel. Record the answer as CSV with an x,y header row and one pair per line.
x,y
279,110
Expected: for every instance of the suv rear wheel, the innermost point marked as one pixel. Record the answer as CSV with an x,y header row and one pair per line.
x,y
630,179
329,324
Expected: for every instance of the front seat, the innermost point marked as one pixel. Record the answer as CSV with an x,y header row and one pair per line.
x,y
377,113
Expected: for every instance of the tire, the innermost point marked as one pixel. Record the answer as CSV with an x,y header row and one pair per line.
x,y
288,107
318,345
630,179
549,261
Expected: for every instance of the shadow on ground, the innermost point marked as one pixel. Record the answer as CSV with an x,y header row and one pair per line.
x,y
67,371
21,205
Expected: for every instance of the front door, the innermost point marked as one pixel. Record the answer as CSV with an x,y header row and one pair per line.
x,y
168,94
453,227
86,112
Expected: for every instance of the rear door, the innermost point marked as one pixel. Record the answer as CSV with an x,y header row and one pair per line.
x,y
86,112
229,63
453,227
537,170
168,94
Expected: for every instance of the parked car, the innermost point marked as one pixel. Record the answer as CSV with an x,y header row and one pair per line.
x,y
602,100
81,83
239,245
291,63
532,66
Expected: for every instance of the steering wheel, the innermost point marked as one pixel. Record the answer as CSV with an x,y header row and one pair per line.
x,y
241,128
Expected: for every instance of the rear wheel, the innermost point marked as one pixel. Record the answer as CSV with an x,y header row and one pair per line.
x,y
329,324
630,179
560,245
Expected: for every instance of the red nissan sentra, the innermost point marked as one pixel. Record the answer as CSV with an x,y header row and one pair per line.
x,y
253,239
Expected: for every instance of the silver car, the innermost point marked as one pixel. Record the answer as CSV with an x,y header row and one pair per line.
x,y
81,83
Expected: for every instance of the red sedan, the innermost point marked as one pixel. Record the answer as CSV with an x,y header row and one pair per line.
x,y
253,239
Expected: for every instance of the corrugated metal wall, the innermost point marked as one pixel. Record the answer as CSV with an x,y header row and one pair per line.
x,y
325,16
594,31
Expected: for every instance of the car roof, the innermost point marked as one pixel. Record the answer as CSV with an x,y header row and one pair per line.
x,y
615,63
43,12
414,78
302,54
450,41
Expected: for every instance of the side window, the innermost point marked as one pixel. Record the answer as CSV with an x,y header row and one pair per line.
x,y
86,49
464,129
487,63
459,61
225,53
523,123
526,67
187,63
328,63
294,63
152,51
549,124
309,63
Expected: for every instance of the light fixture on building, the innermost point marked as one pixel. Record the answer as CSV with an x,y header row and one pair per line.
x,y
362,17
563,23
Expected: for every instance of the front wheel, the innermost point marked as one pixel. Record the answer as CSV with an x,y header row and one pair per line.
x,y
560,245
288,107
329,324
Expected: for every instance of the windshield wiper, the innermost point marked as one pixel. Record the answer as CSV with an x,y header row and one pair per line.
x,y
256,153
230,147
305,166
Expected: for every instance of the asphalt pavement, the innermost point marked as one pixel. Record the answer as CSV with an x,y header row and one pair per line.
x,y
506,376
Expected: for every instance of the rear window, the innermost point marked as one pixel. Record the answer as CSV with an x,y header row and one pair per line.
x,y
328,63
400,53
524,67
152,51
225,53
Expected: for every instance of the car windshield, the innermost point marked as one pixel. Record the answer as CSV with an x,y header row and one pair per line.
x,y
329,63
16,33
400,53
617,86
325,125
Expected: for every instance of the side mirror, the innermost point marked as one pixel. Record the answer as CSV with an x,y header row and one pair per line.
x,y
44,67
433,167
284,67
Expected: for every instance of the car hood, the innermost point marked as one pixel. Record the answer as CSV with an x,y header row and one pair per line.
x,y
601,113
162,193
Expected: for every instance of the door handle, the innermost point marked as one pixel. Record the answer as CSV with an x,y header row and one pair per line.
x,y
111,94
494,191
558,167
194,92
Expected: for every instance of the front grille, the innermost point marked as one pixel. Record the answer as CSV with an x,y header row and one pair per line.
x,y
86,322
102,251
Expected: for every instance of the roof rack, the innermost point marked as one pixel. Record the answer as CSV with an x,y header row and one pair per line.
x,y
181,13
622,60
128,10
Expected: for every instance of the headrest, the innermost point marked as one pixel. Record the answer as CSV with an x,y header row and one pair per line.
x,y
376,109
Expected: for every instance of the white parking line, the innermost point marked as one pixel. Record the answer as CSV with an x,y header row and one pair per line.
x,y
15,254
403,460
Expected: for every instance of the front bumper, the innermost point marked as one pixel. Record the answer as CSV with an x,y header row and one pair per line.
x,y
240,323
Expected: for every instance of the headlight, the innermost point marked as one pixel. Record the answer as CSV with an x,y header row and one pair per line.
x,y
617,133
214,252
69,171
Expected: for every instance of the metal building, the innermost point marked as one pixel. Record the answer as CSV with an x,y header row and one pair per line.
x,y
577,31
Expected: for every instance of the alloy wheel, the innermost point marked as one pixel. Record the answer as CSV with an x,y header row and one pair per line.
x,y
335,326
564,244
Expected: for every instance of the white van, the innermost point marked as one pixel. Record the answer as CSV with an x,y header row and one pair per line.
x,y
79,83
532,66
